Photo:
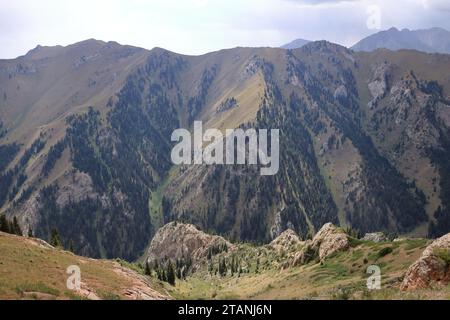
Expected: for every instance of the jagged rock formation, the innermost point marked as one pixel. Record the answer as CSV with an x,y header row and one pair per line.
x,y
433,267
326,242
180,241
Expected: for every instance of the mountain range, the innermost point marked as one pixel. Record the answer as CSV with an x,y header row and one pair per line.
x,y
85,142
433,40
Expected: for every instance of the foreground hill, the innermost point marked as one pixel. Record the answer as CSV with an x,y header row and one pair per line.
x,y
32,269
192,264
85,142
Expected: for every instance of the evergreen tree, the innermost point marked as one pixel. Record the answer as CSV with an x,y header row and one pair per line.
x,y
16,228
30,233
148,270
55,239
170,275
71,246
4,224
222,268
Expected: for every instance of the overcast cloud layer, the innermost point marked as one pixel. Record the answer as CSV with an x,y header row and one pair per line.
x,y
200,26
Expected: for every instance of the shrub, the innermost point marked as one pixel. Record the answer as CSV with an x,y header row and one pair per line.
x,y
443,254
384,252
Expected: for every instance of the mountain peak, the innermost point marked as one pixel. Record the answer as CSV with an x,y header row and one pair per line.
x,y
297,43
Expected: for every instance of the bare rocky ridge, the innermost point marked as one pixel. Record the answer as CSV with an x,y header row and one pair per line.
x,y
433,267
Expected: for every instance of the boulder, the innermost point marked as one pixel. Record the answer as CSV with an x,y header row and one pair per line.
x,y
326,242
285,241
433,267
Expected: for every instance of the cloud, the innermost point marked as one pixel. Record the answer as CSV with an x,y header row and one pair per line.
x,y
443,5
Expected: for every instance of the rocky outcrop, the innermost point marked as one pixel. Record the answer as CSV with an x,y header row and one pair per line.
x,y
326,242
341,92
228,104
285,241
80,188
379,84
140,287
432,267
177,241
375,237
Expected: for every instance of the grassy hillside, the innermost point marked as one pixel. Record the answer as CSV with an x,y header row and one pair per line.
x,y
31,269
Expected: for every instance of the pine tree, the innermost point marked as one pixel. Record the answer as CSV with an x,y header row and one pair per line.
x,y
210,268
16,228
71,246
148,271
55,239
222,268
170,275
233,266
257,266
30,233
4,224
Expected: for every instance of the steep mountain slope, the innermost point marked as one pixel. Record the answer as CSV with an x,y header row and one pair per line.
x,y
363,142
331,166
434,40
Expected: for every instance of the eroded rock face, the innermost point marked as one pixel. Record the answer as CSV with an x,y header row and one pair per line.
x,y
178,240
432,267
326,242
379,85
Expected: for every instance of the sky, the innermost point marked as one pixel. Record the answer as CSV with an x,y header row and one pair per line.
x,y
200,26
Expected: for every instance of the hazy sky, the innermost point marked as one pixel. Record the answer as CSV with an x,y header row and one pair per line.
x,y
200,26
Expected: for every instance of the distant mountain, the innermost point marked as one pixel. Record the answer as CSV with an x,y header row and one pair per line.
x,y
434,40
297,43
